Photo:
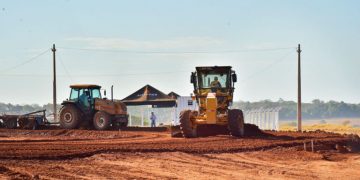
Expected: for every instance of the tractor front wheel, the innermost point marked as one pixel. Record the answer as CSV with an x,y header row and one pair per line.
x,y
69,117
187,126
102,120
236,122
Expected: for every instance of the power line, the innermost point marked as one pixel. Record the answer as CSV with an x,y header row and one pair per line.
x,y
143,52
25,75
66,71
136,74
96,75
23,63
267,67
175,52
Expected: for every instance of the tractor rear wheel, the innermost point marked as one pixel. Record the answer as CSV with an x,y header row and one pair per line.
x,y
69,117
236,122
102,120
187,126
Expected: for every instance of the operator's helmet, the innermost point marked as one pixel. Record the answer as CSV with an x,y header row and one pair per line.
x,y
215,78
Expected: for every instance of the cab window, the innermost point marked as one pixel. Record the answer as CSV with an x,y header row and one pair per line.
x,y
96,93
213,80
74,94
84,97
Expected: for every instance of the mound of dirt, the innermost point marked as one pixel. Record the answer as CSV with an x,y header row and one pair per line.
x,y
154,129
253,130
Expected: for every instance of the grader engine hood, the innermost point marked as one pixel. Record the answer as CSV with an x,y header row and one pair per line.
x,y
111,107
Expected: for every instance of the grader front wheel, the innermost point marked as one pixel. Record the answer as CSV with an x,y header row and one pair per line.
x,y
187,127
236,122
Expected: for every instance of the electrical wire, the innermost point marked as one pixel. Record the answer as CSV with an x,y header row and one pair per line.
x,y
134,74
175,52
66,71
267,67
142,52
96,75
23,63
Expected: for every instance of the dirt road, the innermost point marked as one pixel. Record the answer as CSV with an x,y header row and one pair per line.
x,y
67,154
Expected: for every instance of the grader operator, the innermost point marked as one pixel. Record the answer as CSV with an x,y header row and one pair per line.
x,y
86,105
213,91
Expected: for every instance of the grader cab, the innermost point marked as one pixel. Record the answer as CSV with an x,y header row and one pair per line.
x,y
213,91
86,106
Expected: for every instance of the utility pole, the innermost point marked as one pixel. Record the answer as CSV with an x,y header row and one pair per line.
x,y
299,91
54,83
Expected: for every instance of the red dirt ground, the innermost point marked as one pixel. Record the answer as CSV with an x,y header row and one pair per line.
x,y
87,154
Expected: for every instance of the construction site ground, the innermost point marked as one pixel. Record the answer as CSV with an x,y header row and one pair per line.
x,y
154,154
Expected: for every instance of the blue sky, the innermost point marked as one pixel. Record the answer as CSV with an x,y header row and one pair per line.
x,y
121,31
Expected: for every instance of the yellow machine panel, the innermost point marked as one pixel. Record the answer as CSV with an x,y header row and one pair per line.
x,y
213,92
211,106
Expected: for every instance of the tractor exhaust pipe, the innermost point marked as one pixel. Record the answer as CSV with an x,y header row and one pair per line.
x,y
112,92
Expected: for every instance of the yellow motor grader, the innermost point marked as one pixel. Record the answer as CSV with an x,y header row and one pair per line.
x,y
213,91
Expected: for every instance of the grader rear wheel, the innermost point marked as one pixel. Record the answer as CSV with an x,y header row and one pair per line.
x,y
236,122
187,127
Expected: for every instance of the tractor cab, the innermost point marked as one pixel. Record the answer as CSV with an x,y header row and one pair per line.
x,y
85,95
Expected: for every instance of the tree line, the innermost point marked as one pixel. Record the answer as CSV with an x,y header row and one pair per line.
x,y
7,108
317,109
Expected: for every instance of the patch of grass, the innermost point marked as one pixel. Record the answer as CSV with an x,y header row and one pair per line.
x,y
290,124
346,122
337,128
323,121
